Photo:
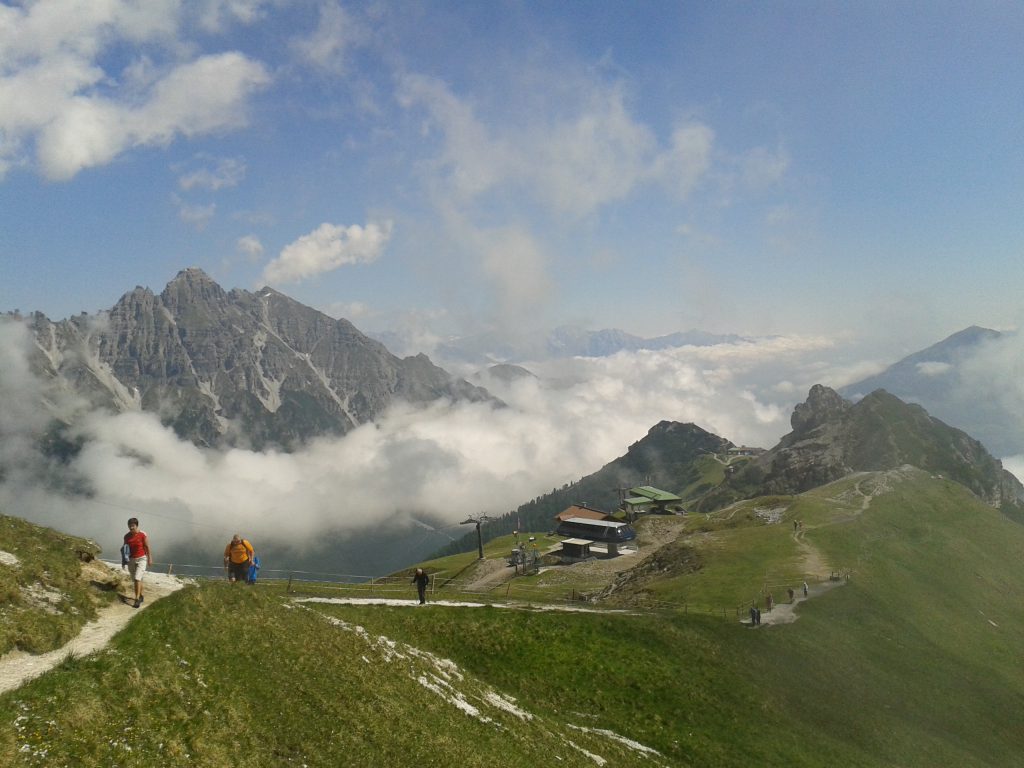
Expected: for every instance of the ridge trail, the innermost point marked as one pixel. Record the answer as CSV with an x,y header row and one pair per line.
x,y
18,667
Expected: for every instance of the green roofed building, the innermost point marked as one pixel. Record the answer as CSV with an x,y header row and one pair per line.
x,y
646,498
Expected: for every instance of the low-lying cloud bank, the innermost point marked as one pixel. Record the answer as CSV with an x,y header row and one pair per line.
x,y
434,465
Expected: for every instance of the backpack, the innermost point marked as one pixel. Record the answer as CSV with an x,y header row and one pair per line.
x,y
254,567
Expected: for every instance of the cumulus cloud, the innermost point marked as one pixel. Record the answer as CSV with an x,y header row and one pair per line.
x,y
326,248
589,152
57,98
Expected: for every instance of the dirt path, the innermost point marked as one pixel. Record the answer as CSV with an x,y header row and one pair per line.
x,y
785,613
18,667
511,605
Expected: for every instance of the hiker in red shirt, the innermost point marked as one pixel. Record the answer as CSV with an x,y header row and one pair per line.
x,y
135,556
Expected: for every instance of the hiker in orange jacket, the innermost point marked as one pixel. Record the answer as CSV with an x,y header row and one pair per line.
x,y
238,554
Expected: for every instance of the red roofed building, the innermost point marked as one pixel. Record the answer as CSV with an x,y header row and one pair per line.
x,y
582,510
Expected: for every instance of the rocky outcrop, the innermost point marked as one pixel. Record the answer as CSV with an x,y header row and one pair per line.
x,y
832,438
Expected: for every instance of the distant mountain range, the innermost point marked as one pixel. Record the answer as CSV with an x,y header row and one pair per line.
x,y
234,367
954,381
562,342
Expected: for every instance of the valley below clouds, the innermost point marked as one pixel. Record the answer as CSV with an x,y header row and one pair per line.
x,y
415,468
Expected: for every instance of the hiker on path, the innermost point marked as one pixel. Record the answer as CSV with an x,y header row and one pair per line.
x,y
421,579
753,616
805,589
769,602
790,592
757,615
238,556
135,556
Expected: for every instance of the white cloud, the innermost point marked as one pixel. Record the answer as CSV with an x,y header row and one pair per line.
x,y
337,31
197,216
761,168
326,248
57,99
216,15
213,174
933,368
588,152
250,247
687,160
518,267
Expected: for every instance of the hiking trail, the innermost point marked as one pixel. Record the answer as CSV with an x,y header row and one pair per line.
x,y
18,667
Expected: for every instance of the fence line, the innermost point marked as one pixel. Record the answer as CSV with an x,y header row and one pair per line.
x,y
400,587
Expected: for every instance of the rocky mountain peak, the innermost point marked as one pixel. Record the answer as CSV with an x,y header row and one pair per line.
x,y
823,405
832,438
191,286
234,368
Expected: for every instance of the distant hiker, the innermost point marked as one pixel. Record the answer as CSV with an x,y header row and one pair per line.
x,y
805,589
791,593
757,615
254,569
238,556
421,579
769,602
135,556
794,526
753,616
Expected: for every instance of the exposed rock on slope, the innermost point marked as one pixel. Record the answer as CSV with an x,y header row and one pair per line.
x,y
832,438
234,367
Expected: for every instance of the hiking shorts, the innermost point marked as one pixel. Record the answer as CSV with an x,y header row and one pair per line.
x,y
137,568
239,571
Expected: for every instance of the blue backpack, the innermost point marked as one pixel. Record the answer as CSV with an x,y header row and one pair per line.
x,y
254,567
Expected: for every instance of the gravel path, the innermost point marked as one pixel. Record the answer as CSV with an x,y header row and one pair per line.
x,y
18,667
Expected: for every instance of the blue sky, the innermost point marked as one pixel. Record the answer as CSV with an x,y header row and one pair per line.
x,y
841,180
846,169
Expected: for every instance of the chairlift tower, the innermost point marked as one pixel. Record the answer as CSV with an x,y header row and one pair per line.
x,y
479,537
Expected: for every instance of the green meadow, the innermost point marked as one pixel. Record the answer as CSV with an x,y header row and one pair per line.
x,y
914,660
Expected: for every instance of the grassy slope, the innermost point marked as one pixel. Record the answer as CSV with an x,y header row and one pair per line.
x,y
216,672
915,662
902,666
48,561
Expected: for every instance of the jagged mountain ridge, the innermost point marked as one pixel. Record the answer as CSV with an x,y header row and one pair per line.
x,y
953,380
234,367
832,438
